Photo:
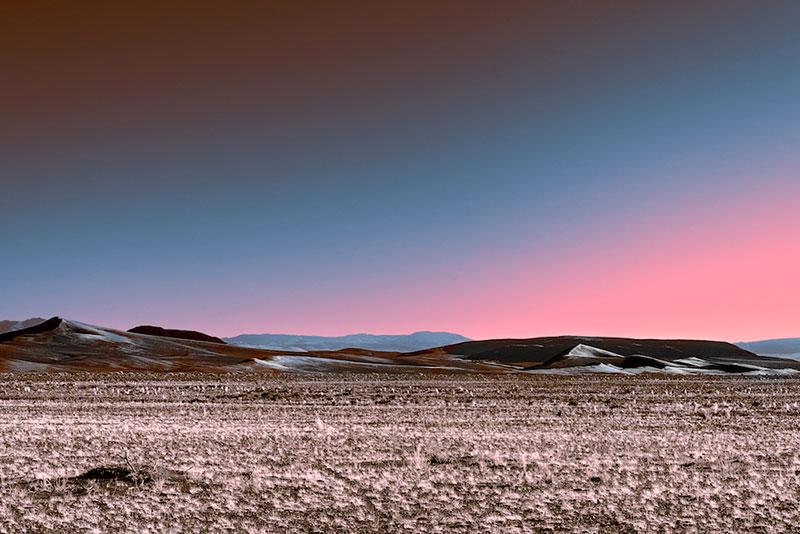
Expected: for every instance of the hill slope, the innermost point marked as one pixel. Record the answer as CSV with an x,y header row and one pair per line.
x,y
175,334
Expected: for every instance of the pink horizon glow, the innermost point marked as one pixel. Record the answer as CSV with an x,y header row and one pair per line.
x,y
727,273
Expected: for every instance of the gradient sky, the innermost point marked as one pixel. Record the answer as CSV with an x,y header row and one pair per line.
x,y
497,169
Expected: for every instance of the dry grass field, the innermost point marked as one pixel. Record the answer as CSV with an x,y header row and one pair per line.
x,y
374,453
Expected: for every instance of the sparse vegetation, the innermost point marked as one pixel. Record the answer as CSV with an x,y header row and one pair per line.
x,y
201,452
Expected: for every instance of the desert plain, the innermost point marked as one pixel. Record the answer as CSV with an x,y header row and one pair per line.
x,y
173,452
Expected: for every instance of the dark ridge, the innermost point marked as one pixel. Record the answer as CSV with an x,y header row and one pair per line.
x,y
728,367
47,326
632,362
558,357
515,350
545,348
9,326
178,334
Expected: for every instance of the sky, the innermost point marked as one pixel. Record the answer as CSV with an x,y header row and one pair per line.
x,y
496,169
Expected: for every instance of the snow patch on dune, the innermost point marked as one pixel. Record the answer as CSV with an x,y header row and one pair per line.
x,y
312,364
773,372
582,369
99,333
693,362
22,366
605,368
317,362
587,351
272,365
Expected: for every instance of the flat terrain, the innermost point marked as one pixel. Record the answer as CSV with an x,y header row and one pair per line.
x,y
382,453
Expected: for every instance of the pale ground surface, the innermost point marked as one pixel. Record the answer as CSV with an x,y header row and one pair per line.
x,y
400,453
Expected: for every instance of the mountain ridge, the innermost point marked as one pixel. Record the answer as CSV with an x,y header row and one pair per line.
x,y
788,347
386,342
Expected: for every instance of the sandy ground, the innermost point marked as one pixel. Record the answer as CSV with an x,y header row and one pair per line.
x,y
371,453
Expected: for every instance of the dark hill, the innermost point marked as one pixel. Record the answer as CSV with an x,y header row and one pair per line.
x,y
178,334
544,349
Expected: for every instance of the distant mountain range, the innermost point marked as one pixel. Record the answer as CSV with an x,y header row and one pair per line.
x,y
292,343
389,343
785,348
63,345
